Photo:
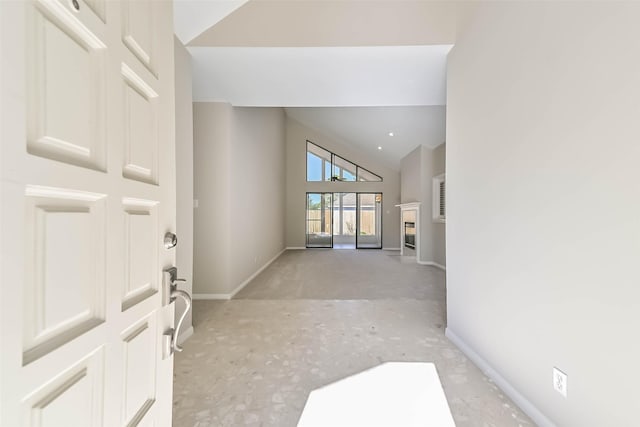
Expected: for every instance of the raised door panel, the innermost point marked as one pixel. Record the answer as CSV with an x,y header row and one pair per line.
x,y
141,128
141,242
74,398
67,89
67,223
139,348
138,29
65,254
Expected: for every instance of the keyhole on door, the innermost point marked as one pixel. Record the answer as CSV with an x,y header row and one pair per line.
x,y
75,4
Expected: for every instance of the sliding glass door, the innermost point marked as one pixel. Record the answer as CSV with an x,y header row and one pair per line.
x,y
369,235
344,220
319,220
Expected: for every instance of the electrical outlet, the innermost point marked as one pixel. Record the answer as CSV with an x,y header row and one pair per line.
x,y
560,381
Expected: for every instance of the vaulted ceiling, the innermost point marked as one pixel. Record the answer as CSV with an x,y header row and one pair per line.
x,y
368,128
321,76
374,66
193,17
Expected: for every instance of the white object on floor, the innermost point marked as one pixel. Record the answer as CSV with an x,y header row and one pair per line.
x,y
392,394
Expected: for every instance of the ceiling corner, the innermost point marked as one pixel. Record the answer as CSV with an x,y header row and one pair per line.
x,y
193,17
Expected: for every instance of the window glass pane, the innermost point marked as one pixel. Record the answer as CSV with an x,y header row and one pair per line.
x,y
319,220
327,171
348,176
369,220
314,167
323,165
343,170
365,175
344,214
318,163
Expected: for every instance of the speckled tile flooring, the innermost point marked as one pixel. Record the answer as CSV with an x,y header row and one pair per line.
x,y
314,317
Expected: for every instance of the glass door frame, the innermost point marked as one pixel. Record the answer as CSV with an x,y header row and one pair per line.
x,y
306,223
340,239
331,205
374,193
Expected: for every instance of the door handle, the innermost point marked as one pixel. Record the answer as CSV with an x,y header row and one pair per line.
x,y
171,292
175,293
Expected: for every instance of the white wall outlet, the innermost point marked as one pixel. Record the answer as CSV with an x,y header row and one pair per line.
x,y
196,203
560,381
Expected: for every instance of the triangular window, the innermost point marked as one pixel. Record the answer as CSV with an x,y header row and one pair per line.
x,y
323,165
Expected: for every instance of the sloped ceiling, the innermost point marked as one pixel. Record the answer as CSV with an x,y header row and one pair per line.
x,y
322,23
321,77
386,58
367,128
192,17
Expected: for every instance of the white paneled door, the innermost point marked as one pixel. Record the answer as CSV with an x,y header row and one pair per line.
x,y
88,192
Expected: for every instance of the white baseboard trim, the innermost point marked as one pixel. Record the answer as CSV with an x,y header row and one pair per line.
x,y
211,296
240,286
185,335
523,403
390,249
254,275
294,248
433,264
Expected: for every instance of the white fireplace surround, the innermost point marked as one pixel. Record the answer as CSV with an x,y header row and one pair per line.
x,y
414,206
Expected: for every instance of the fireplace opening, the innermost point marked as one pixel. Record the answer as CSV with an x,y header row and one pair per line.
x,y
410,234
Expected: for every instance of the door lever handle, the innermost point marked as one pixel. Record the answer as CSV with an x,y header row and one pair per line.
x,y
170,293
175,293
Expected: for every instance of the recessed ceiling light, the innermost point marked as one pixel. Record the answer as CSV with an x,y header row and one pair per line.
x,y
379,148
390,133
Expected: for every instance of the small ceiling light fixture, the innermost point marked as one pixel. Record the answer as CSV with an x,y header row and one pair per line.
x,y
379,148
390,133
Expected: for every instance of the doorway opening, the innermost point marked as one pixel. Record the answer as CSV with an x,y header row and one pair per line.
x,y
344,220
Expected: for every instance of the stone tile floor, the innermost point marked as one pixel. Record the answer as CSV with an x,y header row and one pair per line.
x,y
312,318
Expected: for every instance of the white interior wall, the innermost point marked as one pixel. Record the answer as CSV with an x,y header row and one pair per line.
x,y
297,185
543,220
417,170
257,190
410,168
212,169
239,185
410,189
439,229
184,176
426,222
